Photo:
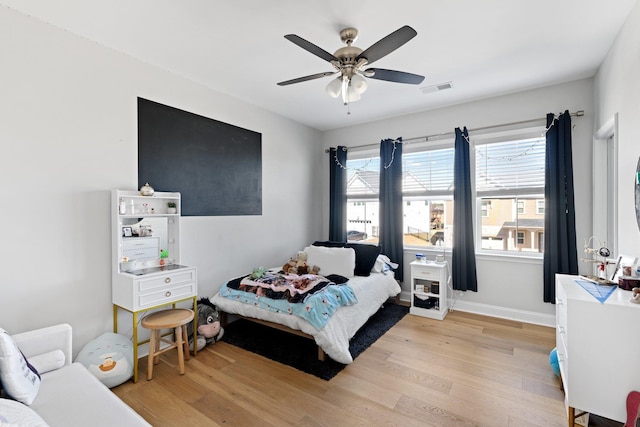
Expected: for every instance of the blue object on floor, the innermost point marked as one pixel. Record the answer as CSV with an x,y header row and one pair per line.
x,y
553,361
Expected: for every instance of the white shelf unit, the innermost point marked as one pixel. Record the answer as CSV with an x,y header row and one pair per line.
x,y
597,347
142,280
432,301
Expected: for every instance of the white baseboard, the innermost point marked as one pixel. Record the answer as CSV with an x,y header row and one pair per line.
x,y
507,313
499,312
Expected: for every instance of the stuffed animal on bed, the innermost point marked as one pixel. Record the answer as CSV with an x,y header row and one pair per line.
x,y
298,265
210,329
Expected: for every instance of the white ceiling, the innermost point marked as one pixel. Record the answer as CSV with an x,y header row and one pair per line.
x,y
485,48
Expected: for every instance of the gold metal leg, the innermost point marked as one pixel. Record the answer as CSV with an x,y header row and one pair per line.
x,y
195,326
135,347
115,319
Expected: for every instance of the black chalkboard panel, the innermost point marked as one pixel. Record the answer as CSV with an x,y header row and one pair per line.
x,y
215,166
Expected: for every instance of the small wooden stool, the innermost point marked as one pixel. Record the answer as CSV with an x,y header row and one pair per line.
x,y
177,319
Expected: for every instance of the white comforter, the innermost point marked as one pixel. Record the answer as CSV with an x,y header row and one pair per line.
x,y
371,291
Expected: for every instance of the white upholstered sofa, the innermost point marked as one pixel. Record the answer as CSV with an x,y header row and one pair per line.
x,y
70,395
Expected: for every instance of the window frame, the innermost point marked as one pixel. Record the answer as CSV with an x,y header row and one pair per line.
x,y
512,134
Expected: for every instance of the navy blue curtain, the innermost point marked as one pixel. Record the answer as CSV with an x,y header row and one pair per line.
x,y
338,194
390,233
560,251
463,257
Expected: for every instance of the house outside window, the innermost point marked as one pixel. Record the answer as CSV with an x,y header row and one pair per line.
x,y
509,177
427,188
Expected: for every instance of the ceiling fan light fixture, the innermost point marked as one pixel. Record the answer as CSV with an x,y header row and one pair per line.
x,y
352,94
334,87
358,83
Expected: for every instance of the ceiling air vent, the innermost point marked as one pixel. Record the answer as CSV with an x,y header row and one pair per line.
x,y
437,87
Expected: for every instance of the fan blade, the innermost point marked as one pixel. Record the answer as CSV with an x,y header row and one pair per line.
x,y
310,47
305,78
388,44
394,76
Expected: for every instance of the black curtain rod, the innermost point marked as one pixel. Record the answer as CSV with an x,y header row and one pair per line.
x,y
426,138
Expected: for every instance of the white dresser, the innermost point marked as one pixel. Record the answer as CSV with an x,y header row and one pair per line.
x,y
598,349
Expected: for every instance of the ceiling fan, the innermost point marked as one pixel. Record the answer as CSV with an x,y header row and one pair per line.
x,y
350,62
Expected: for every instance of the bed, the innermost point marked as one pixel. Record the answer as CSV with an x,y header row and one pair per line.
x,y
371,280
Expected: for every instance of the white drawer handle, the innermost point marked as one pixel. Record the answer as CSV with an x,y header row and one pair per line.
x,y
168,294
167,280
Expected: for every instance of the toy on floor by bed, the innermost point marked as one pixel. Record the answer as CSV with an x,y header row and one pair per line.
x,y
210,329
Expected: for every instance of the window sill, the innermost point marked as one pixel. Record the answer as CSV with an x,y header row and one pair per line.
x,y
532,258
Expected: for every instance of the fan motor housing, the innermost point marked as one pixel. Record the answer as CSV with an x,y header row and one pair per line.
x,y
348,54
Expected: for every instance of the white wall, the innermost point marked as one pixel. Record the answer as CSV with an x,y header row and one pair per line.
x,y
68,136
617,90
508,288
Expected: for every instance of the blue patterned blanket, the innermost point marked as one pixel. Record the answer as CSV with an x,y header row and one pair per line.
x,y
317,307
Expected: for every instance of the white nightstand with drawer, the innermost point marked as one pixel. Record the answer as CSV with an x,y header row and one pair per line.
x,y
429,289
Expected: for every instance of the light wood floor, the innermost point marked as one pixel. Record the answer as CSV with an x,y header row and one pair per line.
x,y
467,370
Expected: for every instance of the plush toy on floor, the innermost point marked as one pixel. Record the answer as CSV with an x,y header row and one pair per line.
x,y
209,328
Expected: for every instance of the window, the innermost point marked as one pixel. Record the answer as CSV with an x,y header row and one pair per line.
x,y
510,192
427,189
484,208
363,187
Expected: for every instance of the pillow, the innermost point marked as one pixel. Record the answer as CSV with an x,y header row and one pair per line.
x,y
16,414
366,256
340,261
109,358
19,379
383,264
49,361
329,244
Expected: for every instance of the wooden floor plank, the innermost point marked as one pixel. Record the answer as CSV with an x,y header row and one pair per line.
x,y
467,370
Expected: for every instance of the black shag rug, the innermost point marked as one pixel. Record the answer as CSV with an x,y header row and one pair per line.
x,y
302,353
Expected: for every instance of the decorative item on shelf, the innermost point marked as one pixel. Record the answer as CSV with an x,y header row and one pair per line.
x,y
145,230
602,261
164,254
628,283
420,257
146,190
171,208
435,288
